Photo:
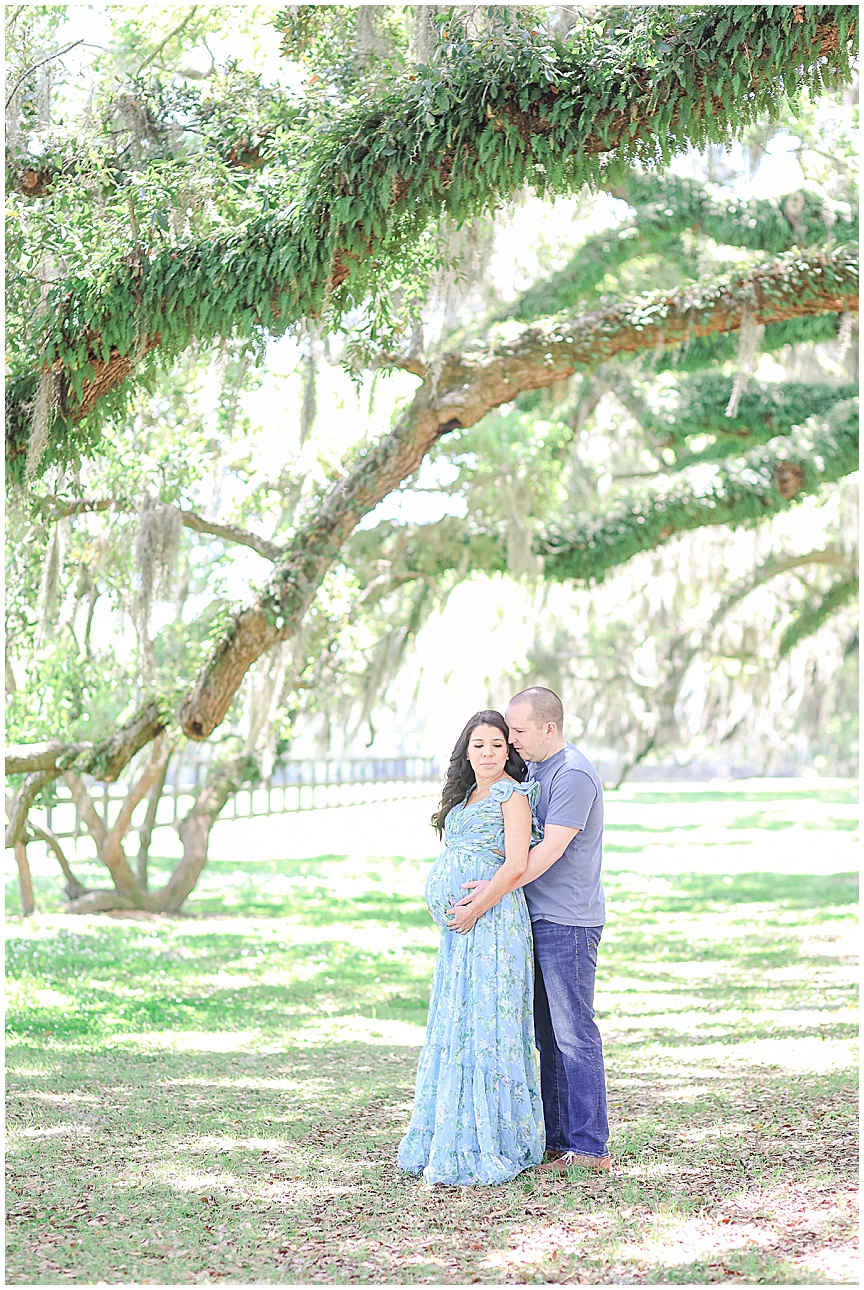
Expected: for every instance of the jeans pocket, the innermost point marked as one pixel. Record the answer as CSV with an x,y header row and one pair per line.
x,y
592,939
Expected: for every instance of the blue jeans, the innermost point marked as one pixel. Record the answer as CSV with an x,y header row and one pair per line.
x,y
572,1076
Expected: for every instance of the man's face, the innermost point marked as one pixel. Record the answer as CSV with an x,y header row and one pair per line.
x,y
531,741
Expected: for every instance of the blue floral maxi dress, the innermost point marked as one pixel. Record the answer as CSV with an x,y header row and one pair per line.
x,y
478,1116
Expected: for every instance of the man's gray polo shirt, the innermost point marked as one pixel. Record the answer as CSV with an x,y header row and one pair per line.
x,y
571,795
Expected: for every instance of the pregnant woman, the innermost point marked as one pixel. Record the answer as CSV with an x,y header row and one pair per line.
x,y
478,1117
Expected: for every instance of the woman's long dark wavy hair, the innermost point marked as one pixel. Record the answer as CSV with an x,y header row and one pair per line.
x,y
460,775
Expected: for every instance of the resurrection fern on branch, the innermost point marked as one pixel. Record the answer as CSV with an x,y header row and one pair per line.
x,y
737,490
747,486
812,617
584,428
668,205
469,385
765,410
480,124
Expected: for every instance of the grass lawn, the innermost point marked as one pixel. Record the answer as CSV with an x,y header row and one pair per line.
x,y
217,1097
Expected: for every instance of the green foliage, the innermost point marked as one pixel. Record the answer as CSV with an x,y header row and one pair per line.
x,y
343,53
247,246
69,694
78,667
451,139
696,409
668,205
722,347
842,592
736,491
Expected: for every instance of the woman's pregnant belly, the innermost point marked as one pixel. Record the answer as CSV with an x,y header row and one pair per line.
x,y
455,866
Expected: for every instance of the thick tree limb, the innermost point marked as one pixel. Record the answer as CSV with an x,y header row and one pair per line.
x,y
24,799
108,841
666,206
109,838
108,760
671,203
159,755
765,410
404,363
62,510
105,761
145,833
85,807
461,390
111,850
222,781
686,647
709,351
103,901
751,487
25,758
388,170
811,618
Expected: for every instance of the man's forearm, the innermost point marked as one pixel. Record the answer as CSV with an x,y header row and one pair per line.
x,y
496,888
540,858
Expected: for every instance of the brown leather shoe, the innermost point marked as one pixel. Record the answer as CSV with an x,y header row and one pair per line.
x,y
552,1155
575,1160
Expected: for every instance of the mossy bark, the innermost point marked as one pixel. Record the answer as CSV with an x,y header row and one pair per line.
x,y
385,172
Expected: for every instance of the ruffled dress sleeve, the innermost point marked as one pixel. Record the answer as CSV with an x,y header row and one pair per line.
x,y
503,790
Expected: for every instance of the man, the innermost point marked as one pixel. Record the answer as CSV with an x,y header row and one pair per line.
x,y
565,899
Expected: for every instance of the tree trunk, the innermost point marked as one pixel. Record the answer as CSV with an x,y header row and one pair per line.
x,y
109,840
74,888
146,831
25,882
460,391
103,901
757,484
222,780
194,832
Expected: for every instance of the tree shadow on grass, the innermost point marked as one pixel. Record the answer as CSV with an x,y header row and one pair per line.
x,y
316,907
180,974
134,1159
695,893
280,1168
134,986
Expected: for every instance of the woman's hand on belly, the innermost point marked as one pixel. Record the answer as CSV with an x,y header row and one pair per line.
x,y
460,914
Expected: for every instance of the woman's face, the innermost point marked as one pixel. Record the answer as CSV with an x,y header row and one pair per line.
x,y
487,752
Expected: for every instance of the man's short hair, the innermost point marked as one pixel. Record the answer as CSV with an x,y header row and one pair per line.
x,y
544,704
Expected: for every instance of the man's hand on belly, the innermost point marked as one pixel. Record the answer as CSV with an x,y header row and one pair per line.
x,y
478,886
